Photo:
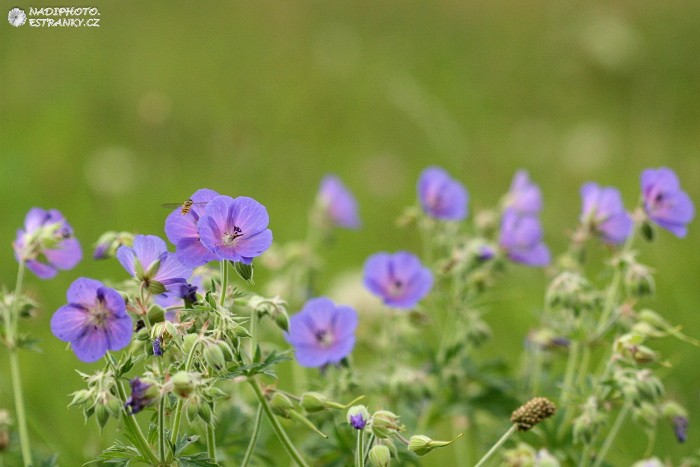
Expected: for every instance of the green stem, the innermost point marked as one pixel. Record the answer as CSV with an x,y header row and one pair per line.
x,y
276,426
211,442
161,430
359,449
253,436
130,421
496,446
567,387
11,321
612,434
224,281
368,447
178,408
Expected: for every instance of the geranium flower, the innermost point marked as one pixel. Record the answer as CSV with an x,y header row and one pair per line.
x,y
521,239
664,201
524,197
150,262
235,229
142,395
181,230
46,244
337,203
441,196
399,279
604,213
322,333
93,321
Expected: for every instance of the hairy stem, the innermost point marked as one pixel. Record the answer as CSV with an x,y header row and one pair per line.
x,y
497,446
612,434
253,436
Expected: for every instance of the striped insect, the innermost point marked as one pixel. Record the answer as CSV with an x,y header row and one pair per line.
x,y
184,207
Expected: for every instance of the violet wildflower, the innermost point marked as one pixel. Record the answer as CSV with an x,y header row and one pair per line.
x,y
94,320
181,230
604,214
524,197
150,262
235,229
322,333
441,196
142,395
399,279
664,201
337,203
358,416
46,244
521,239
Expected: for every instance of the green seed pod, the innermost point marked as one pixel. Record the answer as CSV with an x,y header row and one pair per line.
x,y
385,424
313,401
281,404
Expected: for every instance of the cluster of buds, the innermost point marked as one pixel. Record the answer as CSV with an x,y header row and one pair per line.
x,y
571,291
628,348
198,394
99,398
275,308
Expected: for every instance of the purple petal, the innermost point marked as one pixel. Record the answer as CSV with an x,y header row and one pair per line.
x,y
126,256
536,256
112,300
83,291
339,202
376,273
36,217
524,196
69,322
91,345
616,228
171,268
249,215
662,178
344,322
310,356
250,247
118,332
42,271
67,255
441,196
148,248
340,349
192,253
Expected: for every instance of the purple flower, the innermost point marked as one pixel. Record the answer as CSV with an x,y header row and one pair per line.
x,y
46,244
149,261
235,229
181,230
524,197
604,213
664,201
399,279
140,397
337,203
93,321
442,196
521,239
322,333
186,292
357,421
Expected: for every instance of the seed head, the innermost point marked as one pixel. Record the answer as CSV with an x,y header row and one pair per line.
x,y
532,412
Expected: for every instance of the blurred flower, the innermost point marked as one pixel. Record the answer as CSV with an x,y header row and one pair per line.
x,y
664,201
604,213
399,279
235,229
150,262
109,242
141,396
651,462
680,428
442,196
93,321
322,333
181,230
337,203
46,244
524,197
521,239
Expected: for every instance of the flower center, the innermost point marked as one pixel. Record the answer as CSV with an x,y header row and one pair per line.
x,y
324,338
229,238
99,313
396,288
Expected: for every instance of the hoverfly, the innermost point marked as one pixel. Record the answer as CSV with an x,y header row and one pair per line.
x,y
184,207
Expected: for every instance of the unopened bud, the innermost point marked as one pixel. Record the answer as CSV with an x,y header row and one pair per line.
x,y
313,401
182,384
532,412
380,456
422,445
214,356
281,404
385,424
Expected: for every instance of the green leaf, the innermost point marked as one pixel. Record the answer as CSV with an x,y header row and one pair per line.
x,y
196,460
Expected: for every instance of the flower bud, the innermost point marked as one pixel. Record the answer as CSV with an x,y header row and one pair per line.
x,y
313,401
532,413
204,412
385,424
214,356
639,281
380,456
281,404
358,416
569,290
678,416
422,445
101,415
182,384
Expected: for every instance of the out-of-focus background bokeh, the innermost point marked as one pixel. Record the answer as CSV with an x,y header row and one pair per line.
x,y
264,98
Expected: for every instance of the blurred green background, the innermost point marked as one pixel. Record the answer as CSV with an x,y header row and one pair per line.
x,y
264,98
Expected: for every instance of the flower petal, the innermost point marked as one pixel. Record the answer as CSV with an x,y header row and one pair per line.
x,y
69,322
